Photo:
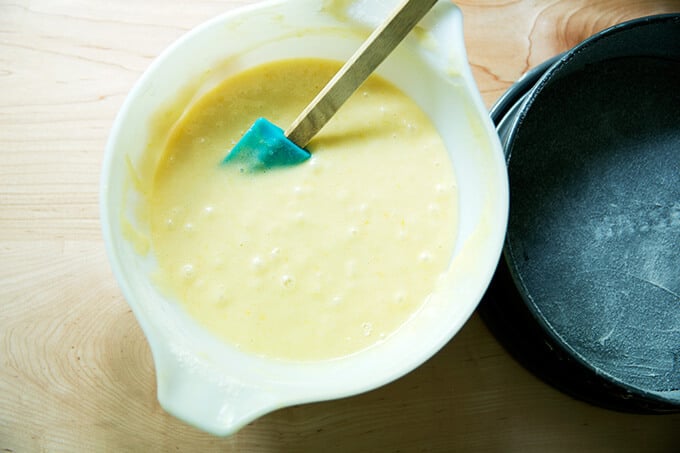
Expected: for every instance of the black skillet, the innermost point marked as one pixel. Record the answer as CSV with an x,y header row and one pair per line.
x,y
587,293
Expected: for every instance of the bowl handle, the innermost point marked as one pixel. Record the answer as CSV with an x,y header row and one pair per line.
x,y
190,391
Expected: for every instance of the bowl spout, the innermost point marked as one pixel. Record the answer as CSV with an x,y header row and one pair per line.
x,y
188,389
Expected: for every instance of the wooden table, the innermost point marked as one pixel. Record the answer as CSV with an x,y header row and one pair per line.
x,y
75,370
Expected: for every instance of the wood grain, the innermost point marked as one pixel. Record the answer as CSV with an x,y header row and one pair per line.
x,y
75,370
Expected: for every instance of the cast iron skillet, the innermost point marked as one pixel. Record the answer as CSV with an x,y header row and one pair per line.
x,y
587,294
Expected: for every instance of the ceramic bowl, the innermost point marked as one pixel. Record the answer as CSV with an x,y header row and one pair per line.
x,y
210,384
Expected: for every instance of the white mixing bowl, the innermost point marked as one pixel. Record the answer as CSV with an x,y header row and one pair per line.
x,y
211,384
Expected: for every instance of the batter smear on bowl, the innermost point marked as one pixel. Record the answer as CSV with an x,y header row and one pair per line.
x,y
310,262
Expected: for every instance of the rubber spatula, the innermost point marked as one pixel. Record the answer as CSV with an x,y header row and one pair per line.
x,y
265,145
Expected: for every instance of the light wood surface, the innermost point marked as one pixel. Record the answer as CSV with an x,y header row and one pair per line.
x,y
75,370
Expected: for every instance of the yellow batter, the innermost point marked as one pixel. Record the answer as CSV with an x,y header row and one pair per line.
x,y
315,261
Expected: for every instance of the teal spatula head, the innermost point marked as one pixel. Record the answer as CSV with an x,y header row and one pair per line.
x,y
265,146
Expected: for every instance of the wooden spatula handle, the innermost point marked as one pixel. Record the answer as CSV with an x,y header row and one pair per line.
x,y
353,73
